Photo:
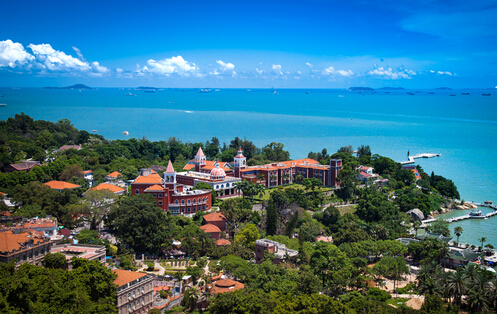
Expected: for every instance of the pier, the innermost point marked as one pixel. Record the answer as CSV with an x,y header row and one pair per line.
x,y
454,219
425,155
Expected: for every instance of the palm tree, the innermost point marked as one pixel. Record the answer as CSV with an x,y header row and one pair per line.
x,y
260,177
458,231
429,286
470,271
482,240
416,226
477,300
299,177
456,284
190,298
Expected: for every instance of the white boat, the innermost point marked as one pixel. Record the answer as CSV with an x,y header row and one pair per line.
x,y
94,131
475,213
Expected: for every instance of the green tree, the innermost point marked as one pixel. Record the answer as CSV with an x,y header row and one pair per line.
x,y
247,236
95,205
271,218
458,231
205,186
57,260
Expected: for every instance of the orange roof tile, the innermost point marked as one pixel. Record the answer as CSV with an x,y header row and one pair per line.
x,y
126,276
10,241
153,178
210,228
214,217
114,174
189,167
87,171
223,242
226,285
60,185
154,187
107,186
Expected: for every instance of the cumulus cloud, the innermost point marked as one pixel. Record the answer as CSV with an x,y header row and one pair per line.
x,y
44,59
444,73
309,65
225,66
331,71
400,73
276,67
176,65
260,71
13,54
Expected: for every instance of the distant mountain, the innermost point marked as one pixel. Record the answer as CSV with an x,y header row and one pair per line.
x,y
391,88
358,89
444,88
76,86
146,87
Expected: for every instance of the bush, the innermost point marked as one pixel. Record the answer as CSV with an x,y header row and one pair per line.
x,y
150,266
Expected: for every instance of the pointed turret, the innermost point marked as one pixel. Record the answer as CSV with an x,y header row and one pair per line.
x,y
240,162
170,174
199,160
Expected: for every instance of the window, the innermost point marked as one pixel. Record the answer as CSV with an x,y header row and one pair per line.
x,y
227,185
154,195
24,257
207,198
137,192
207,207
182,202
203,200
199,199
160,195
143,290
42,251
203,207
189,201
222,186
30,255
194,201
176,202
194,209
160,203
36,253
217,186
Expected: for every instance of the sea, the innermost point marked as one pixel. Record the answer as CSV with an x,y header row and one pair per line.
x,y
461,125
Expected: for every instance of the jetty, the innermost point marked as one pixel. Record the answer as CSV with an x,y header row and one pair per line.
x,y
424,155
455,219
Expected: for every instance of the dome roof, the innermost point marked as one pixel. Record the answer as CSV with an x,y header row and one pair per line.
x,y
217,172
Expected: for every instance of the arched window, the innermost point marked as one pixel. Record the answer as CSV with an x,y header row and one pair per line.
x,y
137,192
182,202
189,201
207,198
154,195
199,199
217,186
222,186
194,201
176,202
203,200
160,195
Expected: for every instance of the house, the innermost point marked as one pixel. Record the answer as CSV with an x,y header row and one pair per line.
x,y
366,173
86,251
66,147
114,178
48,226
216,219
60,185
22,166
414,171
113,188
280,251
213,230
169,193
88,176
223,242
25,247
134,292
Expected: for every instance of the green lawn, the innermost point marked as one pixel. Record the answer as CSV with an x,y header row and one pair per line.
x,y
397,301
347,209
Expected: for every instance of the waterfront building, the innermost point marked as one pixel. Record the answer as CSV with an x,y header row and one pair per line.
x,y
134,292
170,194
280,251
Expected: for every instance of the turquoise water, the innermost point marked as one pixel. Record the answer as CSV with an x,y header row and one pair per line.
x,y
462,128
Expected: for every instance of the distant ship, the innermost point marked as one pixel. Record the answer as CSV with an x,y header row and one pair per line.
x,y
130,94
485,94
150,91
275,92
465,93
307,92
3,105
204,90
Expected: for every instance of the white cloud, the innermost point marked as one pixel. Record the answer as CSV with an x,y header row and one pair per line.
x,y
444,73
119,70
390,74
260,71
331,71
13,54
172,65
225,66
276,67
53,60
79,54
309,65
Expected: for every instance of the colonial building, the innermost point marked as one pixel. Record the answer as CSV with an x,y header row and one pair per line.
x,y
170,194
280,251
60,185
134,292
107,186
86,251
25,247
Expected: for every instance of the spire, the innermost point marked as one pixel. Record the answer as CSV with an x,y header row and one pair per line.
x,y
217,163
200,153
240,149
170,168
240,155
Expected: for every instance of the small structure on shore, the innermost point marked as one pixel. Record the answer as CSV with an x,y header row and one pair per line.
x,y
416,215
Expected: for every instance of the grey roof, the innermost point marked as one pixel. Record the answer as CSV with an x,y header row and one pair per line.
x,y
416,214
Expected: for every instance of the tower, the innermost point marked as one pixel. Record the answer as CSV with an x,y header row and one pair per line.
x,y
199,160
335,167
240,162
170,177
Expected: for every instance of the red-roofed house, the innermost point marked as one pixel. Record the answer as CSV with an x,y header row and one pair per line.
x,y
23,166
60,185
66,147
216,219
86,251
223,242
111,187
26,247
114,177
213,230
134,291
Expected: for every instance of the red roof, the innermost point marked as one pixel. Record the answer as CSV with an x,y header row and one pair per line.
x,y
114,174
154,188
126,276
223,242
240,155
60,185
88,171
10,241
214,217
200,153
226,285
209,228
150,179
365,175
65,232
107,186
189,167
170,168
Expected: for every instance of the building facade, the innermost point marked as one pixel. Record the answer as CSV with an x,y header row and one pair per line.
x,y
25,247
280,251
134,292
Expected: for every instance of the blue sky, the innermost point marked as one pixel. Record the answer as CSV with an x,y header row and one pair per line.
x,y
306,44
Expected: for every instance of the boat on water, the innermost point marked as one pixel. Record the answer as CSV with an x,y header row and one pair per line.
x,y
150,91
485,94
465,93
476,213
307,92
130,94
204,90
217,90
275,92
3,105
431,93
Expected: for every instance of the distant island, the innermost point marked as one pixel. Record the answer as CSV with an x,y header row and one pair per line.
x,y
76,86
391,88
355,88
145,87
444,88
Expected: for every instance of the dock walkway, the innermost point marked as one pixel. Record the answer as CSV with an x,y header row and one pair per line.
x,y
425,155
454,219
